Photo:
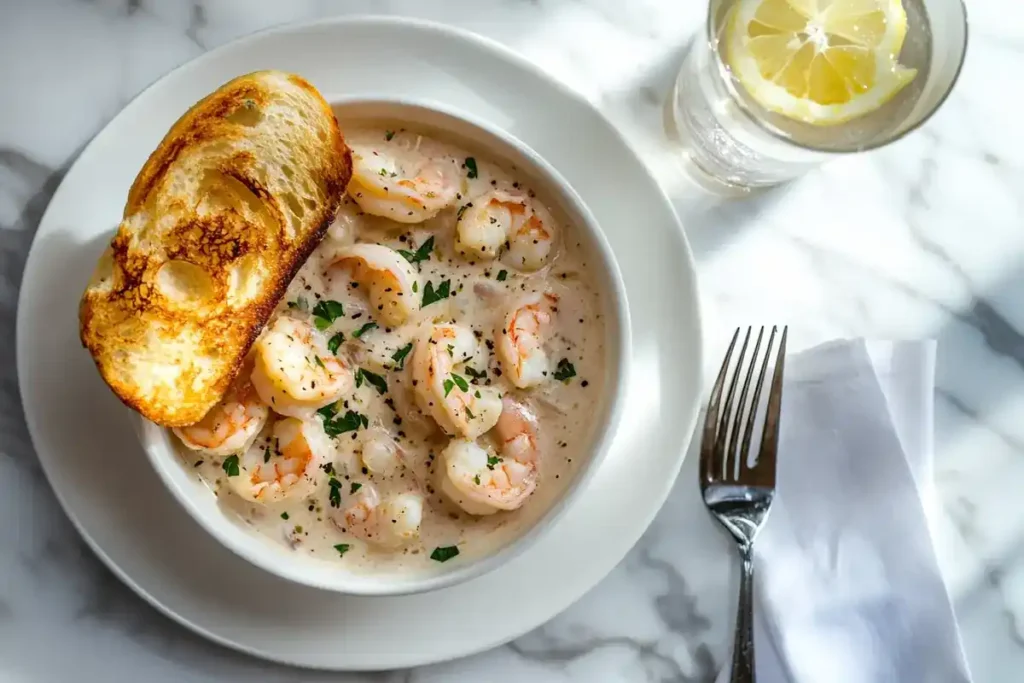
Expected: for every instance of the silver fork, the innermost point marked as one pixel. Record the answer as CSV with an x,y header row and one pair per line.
x,y
736,493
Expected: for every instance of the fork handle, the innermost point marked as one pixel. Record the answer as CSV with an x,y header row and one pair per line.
x,y
743,647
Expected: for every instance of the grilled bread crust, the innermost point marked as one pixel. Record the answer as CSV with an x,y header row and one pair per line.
x,y
218,221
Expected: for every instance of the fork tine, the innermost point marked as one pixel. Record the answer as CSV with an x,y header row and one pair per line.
x,y
723,426
734,433
752,418
770,437
707,446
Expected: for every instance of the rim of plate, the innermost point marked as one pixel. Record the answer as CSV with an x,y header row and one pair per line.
x,y
492,637
301,568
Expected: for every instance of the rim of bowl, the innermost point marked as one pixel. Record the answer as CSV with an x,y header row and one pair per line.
x,y
169,465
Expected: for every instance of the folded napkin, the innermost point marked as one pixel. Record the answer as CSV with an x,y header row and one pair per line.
x,y
848,588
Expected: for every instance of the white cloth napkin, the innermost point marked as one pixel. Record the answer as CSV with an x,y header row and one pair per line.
x,y
848,589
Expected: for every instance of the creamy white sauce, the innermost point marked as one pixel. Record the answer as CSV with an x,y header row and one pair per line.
x,y
479,300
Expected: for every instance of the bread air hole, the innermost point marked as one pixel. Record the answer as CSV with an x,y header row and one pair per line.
x,y
185,284
245,280
246,115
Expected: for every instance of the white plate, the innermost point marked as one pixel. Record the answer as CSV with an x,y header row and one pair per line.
x,y
85,439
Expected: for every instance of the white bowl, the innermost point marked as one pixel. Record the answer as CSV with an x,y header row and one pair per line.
x,y
224,525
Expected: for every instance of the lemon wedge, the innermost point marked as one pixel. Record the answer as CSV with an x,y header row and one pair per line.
x,y
823,62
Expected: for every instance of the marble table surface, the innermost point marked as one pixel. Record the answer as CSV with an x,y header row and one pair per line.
x,y
922,239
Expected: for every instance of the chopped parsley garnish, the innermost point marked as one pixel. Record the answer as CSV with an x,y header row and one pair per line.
x,y
328,411
469,414
335,342
335,494
372,378
342,548
415,287
349,423
364,329
318,361
300,303
430,295
460,382
355,487
492,461
399,355
388,134
476,480
443,554
284,515
471,171
474,373
266,454
421,254
448,385
502,274
564,371
231,465
326,312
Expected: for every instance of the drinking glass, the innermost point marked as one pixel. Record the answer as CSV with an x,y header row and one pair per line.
x,y
730,144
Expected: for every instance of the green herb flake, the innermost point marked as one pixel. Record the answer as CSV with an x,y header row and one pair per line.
x,y
335,493
448,384
326,312
328,411
415,287
319,362
474,373
421,254
364,329
335,342
460,382
230,465
564,371
372,378
355,487
502,274
284,515
349,423
469,414
443,554
476,480
388,134
342,548
471,170
399,356
430,295
300,303
492,461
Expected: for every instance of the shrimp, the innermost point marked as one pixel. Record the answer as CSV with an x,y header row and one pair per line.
x,y
403,185
481,482
287,466
232,425
391,523
521,339
380,452
390,279
512,219
295,373
459,408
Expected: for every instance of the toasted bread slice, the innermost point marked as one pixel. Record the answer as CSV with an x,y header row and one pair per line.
x,y
217,223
